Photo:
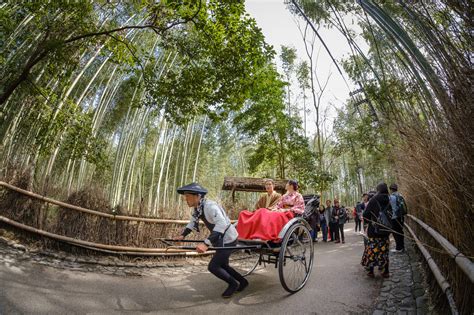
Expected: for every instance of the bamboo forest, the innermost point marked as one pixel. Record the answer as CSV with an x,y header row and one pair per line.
x,y
113,105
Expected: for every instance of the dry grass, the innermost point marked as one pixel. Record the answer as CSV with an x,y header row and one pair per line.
x,y
17,206
436,176
88,227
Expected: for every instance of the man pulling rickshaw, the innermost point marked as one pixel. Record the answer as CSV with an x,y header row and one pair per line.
x,y
223,234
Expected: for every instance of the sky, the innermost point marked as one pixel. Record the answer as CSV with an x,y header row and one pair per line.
x,y
280,28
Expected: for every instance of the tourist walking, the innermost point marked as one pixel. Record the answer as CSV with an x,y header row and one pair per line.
x,y
341,216
314,222
359,208
323,221
376,253
398,206
332,229
333,223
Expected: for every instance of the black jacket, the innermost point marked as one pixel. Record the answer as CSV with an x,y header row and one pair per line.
x,y
376,204
313,220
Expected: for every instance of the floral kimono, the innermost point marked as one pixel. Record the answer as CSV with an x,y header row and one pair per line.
x,y
292,202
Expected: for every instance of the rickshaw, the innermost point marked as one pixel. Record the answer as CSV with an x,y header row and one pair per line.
x,y
292,254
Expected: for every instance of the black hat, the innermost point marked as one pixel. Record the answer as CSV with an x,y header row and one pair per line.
x,y
394,187
193,188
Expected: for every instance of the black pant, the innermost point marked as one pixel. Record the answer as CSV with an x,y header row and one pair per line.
x,y
333,227
397,226
358,223
341,231
219,266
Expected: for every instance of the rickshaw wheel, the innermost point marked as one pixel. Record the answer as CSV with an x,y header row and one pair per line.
x,y
245,261
295,260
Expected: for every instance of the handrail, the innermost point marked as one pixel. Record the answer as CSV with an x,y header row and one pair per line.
x,y
138,251
443,283
466,265
94,212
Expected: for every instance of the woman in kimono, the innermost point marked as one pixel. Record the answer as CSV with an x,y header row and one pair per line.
x,y
265,224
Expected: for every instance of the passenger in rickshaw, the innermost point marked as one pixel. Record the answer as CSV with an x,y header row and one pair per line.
x,y
269,199
265,224
223,234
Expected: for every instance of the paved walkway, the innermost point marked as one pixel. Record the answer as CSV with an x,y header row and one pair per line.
x,y
57,283
404,292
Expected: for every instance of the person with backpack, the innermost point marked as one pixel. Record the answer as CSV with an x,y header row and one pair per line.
x,y
376,251
398,208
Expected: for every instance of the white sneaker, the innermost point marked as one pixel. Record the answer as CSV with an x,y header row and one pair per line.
x,y
397,250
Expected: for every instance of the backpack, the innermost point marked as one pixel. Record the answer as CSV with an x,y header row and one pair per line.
x,y
402,206
383,225
343,216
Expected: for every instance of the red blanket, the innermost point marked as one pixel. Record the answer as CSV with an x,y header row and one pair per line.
x,y
262,224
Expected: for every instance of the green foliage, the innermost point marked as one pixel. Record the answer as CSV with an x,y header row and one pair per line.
x,y
303,75
275,141
220,56
288,59
320,11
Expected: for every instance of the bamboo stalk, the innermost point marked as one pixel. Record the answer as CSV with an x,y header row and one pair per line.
x,y
199,149
160,134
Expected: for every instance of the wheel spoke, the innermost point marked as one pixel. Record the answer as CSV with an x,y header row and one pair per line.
x,y
296,259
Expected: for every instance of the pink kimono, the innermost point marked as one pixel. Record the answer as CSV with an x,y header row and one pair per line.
x,y
292,201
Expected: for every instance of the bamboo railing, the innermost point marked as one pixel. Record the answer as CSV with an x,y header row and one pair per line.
x,y
124,250
112,249
94,212
466,265
442,282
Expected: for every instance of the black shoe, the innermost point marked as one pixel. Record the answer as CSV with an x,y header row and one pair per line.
x,y
243,284
230,290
